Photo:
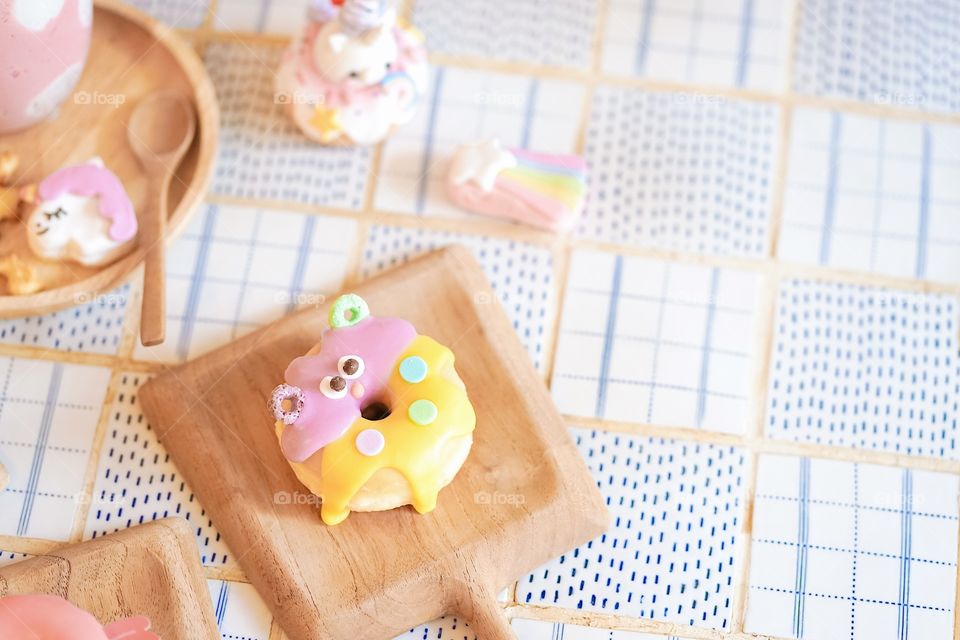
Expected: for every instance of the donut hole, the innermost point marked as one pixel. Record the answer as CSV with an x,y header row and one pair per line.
x,y
375,410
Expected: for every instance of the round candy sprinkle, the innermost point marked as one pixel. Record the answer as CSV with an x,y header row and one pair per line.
x,y
282,393
350,366
337,383
370,442
356,390
422,412
413,369
348,310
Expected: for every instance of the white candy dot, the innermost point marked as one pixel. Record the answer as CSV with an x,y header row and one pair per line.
x,y
370,442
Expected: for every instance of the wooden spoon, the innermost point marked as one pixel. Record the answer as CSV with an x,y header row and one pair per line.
x,y
160,132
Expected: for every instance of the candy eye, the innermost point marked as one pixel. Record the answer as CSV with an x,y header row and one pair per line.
x,y
334,387
351,367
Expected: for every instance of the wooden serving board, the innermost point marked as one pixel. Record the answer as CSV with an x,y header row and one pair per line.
x,y
151,570
131,55
523,497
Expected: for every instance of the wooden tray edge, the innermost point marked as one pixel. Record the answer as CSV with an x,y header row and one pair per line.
x,y
471,588
174,530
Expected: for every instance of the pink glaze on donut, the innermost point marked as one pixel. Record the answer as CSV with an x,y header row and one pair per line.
x,y
379,342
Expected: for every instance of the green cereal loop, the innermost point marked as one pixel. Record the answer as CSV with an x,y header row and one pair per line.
x,y
348,310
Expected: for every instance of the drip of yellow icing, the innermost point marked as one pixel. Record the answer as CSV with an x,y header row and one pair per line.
x,y
413,450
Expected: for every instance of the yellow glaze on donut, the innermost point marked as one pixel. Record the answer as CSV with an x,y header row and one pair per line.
x,y
421,454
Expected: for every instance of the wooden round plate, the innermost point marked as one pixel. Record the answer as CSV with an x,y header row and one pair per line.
x,y
131,55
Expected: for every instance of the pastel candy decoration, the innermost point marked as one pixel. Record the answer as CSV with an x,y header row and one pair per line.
x,y
282,395
45,44
384,420
539,189
45,617
353,75
82,213
347,311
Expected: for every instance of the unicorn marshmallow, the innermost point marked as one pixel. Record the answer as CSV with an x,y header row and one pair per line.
x,y
341,53
82,213
353,75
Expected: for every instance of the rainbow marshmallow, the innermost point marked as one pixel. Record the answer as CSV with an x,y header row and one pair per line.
x,y
539,189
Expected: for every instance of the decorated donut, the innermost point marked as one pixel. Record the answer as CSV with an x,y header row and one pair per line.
x,y
44,617
353,75
373,417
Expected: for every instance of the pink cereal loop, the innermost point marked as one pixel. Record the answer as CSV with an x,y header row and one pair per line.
x,y
286,392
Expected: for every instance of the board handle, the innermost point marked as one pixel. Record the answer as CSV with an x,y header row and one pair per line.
x,y
485,615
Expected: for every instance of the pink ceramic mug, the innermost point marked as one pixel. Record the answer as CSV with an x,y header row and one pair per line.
x,y
43,46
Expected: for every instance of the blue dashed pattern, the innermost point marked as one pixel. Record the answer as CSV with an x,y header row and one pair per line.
x,y
9,557
262,154
904,54
521,274
94,327
865,367
136,481
446,628
676,509
834,553
672,171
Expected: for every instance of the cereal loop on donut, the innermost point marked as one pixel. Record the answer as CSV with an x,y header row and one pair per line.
x,y
281,394
348,310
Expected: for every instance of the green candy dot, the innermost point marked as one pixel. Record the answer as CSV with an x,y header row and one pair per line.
x,y
348,310
422,412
